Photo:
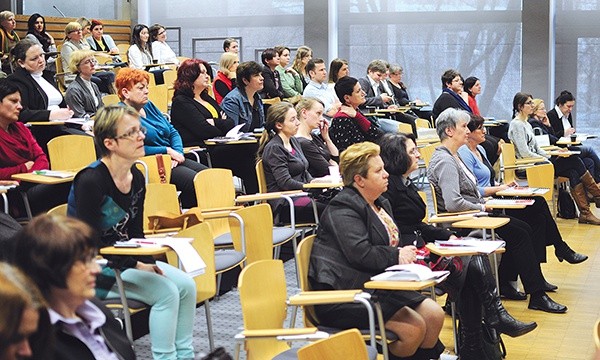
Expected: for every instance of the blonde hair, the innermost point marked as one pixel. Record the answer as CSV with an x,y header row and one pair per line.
x,y
72,26
536,104
355,161
226,61
306,103
5,15
77,57
106,122
302,52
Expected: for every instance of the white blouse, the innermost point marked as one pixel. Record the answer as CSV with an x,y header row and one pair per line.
x,y
54,96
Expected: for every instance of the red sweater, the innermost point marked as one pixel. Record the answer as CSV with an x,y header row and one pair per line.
x,y
219,95
18,146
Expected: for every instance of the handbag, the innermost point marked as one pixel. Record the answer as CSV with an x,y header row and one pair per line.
x,y
566,205
167,220
162,172
493,346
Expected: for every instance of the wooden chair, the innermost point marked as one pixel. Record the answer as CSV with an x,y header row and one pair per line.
x,y
205,284
158,95
123,49
422,123
110,99
404,128
253,225
542,176
60,75
160,198
509,163
426,154
71,152
170,77
597,334
260,176
59,210
343,345
148,165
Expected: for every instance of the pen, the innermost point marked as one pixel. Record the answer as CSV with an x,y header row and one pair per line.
x,y
145,242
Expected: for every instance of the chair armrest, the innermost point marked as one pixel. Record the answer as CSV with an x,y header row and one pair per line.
x,y
216,214
324,297
220,209
269,196
529,160
161,232
277,332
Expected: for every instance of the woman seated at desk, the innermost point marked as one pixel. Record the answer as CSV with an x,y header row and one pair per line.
x,y
36,31
161,51
349,125
345,257
59,254
113,185
478,288
538,216
99,41
243,104
194,113
319,150
456,190
284,163
140,53
20,153
581,181
225,80
161,136
83,96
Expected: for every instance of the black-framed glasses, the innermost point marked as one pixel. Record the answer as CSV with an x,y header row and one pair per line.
x,y
76,30
89,62
132,133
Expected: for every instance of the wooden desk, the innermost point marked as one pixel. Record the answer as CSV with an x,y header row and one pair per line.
x,y
526,192
232,142
400,109
323,185
563,153
486,222
456,251
42,179
399,285
427,140
45,123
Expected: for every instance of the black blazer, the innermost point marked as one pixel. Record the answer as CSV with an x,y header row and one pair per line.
x,y
352,244
556,123
443,102
400,94
371,99
67,347
189,118
269,90
409,210
33,98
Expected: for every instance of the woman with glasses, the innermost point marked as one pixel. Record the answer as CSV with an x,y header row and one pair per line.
x,y
109,196
83,96
162,138
581,181
59,255
73,42
161,51
8,38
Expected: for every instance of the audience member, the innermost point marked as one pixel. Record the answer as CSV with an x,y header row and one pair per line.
x,y
456,190
161,136
318,89
36,31
319,150
337,70
243,104
9,227
161,51
113,185
452,87
521,134
472,86
24,324
284,164
86,26
539,120
8,38
225,80
59,254
375,94
83,96
560,117
73,42
303,56
272,83
290,79
20,153
349,125
538,216
474,291
194,113
231,45
345,257
99,41
140,51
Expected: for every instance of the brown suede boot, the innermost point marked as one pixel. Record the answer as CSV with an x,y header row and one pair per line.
x,y
585,214
591,187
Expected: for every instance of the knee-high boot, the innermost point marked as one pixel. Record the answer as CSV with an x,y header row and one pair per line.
x,y
591,187
585,214
471,340
480,279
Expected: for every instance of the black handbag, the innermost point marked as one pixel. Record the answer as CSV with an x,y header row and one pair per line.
x,y
493,346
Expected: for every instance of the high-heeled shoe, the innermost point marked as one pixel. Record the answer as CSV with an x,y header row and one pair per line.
x,y
568,254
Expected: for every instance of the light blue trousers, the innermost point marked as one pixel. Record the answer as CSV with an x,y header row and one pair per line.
x,y
173,301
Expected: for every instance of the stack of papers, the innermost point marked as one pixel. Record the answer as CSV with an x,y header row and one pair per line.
x,y
54,173
189,259
476,245
492,202
411,272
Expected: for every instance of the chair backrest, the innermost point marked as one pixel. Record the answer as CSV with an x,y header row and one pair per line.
x,y
509,160
260,177
71,152
422,123
123,48
169,78
433,199
110,99
160,197
423,196
158,95
542,176
148,165
427,153
59,210
206,285
347,344
258,232
597,334
260,311
214,188
404,128
303,262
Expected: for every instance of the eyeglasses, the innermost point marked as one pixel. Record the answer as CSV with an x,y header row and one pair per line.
x,y
78,30
89,62
132,133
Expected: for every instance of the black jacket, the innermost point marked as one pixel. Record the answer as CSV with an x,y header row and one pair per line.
x,y
33,98
556,123
370,98
67,347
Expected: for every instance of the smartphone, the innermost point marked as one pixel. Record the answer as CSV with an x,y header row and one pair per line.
x,y
126,244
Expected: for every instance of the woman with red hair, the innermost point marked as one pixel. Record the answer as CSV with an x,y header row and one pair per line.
x,y
194,113
161,136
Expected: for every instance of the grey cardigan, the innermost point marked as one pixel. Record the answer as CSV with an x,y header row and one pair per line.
x,y
80,100
453,188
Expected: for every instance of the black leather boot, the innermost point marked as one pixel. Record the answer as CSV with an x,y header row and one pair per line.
x,y
471,340
480,279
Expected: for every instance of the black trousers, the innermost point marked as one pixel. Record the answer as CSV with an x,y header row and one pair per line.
x,y
182,176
